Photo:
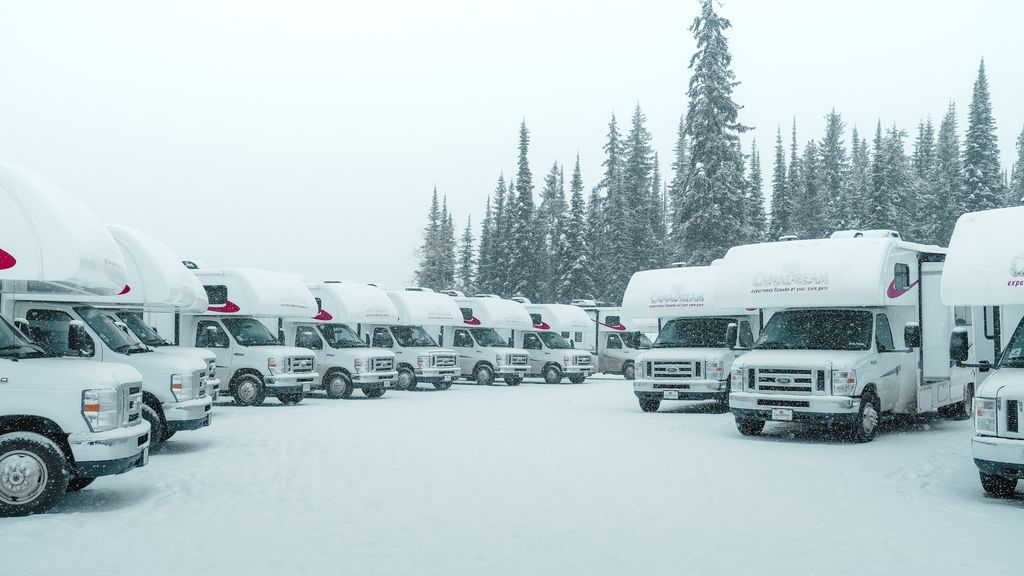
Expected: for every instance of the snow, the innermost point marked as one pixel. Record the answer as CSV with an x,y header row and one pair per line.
x,y
536,479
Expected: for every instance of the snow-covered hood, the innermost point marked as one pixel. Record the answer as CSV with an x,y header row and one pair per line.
x,y
282,352
687,354
70,374
824,359
152,363
200,353
428,350
1003,383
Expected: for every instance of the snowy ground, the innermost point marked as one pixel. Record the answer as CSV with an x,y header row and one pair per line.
x,y
531,480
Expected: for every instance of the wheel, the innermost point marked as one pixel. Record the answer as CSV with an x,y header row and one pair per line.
x,y
513,380
156,425
483,375
724,402
553,374
650,404
406,378
291,398
999,486
374,392
249,390
442,385
628,371
577,378
338,385
79,483
750,427
33,474
961,410
866,427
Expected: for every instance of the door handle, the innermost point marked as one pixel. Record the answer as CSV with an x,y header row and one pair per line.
x,y
239,354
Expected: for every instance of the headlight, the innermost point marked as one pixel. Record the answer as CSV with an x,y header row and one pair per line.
x,y
423,361
357,364
99,408
985,410
178,388
716,370
737,379
499,359
567,360
844,382
272,365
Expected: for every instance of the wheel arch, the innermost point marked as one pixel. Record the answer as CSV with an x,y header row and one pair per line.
x,y
38,425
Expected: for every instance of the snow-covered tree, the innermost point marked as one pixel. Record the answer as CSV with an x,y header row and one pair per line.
x,y
574,280
983,180
550,216
795,184
810,210
890,180
482,276
433,256
681,172
633,248
1017,179
465,271
948,199
523,253
860,178
782,204
756,220
659,253
839,205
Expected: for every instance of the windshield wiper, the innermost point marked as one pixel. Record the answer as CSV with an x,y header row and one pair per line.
x,y
772,346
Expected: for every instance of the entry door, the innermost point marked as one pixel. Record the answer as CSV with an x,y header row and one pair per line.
x,y
935,387
611,358
538,354
210,334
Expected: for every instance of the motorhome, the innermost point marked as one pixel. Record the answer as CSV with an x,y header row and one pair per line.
x,y
419,357
483,337
699,337
615,341
985,271
551,342
250,357
63,421
854,329
345,360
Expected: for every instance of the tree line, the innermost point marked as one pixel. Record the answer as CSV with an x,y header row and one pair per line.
x,y
560,249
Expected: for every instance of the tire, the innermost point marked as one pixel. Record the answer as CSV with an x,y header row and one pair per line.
x,y
406,378
483,375
374,392
442,385
961,410
513,380
168,434
552,374
34,474
156,425
291,398
629,371
724,402
249,390
577,378
650,404
338,385
998,486
750,427
79,483
868,418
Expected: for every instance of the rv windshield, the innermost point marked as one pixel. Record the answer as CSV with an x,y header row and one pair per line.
x,y
694,333
554,340
1013,356
112,336
817,330
409,336
636,340
488,338
14,344
341,336
142,331
250,332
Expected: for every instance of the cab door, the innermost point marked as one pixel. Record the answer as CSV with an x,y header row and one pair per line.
x,y
463,344
895,366
539,355
614,354
211,334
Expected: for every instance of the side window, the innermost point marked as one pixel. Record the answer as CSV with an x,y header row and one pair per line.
x,y
531,342
614,342
381,338
746,335
962,316
462,339
578,336
901,277
883,334
49,329
209,334
306,337
217,294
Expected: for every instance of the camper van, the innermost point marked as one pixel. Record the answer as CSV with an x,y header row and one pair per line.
x,y
419,357
551,342
64,421
985,271
250,357
854,329
699,339
345,360
614,341
483,338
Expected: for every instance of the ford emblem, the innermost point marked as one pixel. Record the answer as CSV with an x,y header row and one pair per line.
x,y
673,370
784,380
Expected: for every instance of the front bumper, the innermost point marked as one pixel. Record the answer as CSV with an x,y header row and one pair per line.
x,y
374,379
112,452
185,413
689,389
510,371
805,407
431,375
572,369
999,456
213,388
291,382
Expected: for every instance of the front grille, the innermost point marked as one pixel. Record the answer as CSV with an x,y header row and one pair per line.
x,y
211,369
142,439
518,359
673,369
132,405
787,380
784,403
300,364
383,364
583,360
1013,415
671,386
442,361
200,377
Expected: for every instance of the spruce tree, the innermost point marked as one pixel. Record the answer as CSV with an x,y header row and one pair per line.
x,y
922,191
714,195
500,249
982,174
795,185
782,204
811,202
948,199
430,254
615,242
574,280
550,214
447,248
659,254
839,206
485,255
860,179
523,251
596,239
634,248
1016,196
757,222
680,176
467,260
890,181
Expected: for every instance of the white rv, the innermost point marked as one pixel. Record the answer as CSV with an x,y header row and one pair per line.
x,y
854,329
551,343
985,270
250,357
699,339
418,355
614,341
483,338
345,360
63,421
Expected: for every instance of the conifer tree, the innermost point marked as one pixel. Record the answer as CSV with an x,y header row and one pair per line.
x,y
890,179
467,260
811,217
860,179
982,174
795,185
614,241
757,221
498,266
1016,196
596,239
948,201
482,276
550,215
782,204
839,206
446,243
680,170
522,262
575,281
659,228
922,192
429,272
634,248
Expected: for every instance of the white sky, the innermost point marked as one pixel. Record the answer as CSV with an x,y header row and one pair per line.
x,y
307,136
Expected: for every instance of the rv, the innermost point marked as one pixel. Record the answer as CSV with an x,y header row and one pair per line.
x,y
699,337
483,338
551,342
854,330
418,355
249,356
985,270
345,360
614,341
64,421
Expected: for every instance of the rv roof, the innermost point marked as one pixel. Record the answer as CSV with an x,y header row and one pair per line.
x,y
252,292
494,312
561,317
425,308
985,265
674,293
353,303
50,243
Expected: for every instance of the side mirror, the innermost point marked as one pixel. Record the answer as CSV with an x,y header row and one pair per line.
x,y
153,328
732,335
958,346
79,340
912,335
22,325
122,326
572,344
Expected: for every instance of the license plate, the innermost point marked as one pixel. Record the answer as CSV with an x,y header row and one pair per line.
x,y
783,414
386,383
145,455
305,386
671,394
446,378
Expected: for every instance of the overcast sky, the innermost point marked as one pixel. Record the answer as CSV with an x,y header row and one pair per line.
x,y
307,136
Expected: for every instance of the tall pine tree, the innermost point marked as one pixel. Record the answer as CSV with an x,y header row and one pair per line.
x,y
839,206
574,281
431,254
860,179
757,222
523,250
782,204
1016,196
982,175
464,273
680,177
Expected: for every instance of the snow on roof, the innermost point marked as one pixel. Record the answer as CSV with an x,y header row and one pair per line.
x,y
985,265
252,292
51,243
353,303
560,317
841,271
675,292
492,312
425,308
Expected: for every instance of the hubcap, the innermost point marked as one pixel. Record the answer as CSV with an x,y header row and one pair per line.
x,y
247,390
552,375
404,379
870,418
22,477
481,377
629,372
337,386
